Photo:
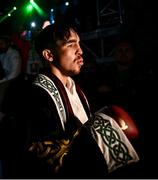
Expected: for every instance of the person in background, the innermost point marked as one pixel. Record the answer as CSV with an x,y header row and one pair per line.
x,y
10,68
22,40
128,82
10,60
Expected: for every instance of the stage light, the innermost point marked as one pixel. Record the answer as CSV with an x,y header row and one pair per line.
x,y
8,15
29,8
38,9
66,3
33,24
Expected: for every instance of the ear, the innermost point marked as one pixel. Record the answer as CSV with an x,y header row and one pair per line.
x,y
47,55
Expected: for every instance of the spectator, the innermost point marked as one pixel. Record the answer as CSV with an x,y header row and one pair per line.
x,y
10,59
21,41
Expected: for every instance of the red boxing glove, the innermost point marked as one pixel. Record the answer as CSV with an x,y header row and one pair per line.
x,y
125,121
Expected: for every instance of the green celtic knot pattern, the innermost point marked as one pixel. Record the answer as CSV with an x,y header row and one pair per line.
x,y
117,149
47,84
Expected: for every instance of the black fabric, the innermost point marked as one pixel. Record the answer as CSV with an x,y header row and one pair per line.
x,y
31,116
85,159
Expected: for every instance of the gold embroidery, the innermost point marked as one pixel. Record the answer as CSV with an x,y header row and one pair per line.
x,y
52,151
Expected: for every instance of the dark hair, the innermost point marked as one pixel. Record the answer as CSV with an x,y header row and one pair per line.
x,y
48,37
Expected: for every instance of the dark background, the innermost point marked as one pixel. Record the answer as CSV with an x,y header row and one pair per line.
x,y
132,19
135,19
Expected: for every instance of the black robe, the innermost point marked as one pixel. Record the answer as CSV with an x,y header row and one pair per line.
x,y
33,127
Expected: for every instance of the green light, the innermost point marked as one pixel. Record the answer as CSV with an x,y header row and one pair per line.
x,y
38,9
3,18
29,7
26,9
8,15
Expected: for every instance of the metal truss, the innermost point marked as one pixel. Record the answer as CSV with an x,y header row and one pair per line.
x,y
110,17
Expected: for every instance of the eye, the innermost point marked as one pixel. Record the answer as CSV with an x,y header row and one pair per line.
x,y
70,44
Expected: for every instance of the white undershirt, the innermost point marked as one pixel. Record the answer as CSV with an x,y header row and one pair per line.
x,y
75,102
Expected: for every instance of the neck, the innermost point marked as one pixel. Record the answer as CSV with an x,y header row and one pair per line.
x,y
63,78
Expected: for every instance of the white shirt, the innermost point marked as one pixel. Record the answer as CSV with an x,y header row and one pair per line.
x,y
75,102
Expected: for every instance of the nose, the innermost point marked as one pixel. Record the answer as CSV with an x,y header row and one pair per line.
x,y
79,49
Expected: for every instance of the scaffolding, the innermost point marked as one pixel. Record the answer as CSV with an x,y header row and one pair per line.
x,y
110,18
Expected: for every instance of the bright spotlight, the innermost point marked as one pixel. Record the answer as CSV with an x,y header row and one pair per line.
x,y
66,3
33,24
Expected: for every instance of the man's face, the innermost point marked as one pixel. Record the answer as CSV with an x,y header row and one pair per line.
x,y
68,55
124,53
